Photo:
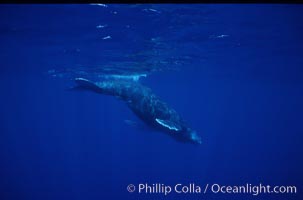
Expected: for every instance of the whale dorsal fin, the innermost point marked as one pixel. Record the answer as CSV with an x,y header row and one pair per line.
x,y
168,124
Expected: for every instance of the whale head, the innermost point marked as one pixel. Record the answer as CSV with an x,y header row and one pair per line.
x,y
179,131
188,136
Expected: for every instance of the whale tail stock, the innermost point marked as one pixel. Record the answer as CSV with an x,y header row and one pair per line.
x,y
84,84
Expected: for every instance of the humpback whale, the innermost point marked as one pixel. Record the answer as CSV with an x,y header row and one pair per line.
x,y
146,105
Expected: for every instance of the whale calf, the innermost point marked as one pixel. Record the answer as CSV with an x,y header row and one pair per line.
x,y
146,105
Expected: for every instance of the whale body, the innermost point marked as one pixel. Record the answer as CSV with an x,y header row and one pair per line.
x,y
146,105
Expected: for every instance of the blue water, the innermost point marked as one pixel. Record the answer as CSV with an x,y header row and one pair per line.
x,y
233,72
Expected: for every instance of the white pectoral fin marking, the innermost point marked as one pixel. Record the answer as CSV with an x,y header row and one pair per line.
x,y
167,124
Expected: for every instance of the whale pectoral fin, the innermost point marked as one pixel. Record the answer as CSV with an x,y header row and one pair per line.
x,y
168,124
87,85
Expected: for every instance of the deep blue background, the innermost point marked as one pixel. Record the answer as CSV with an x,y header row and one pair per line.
x,y
243,94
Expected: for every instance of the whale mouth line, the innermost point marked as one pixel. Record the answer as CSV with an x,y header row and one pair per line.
x,y
165,124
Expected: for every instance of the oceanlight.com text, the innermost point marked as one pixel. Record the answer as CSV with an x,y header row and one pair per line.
x,y
253,189
215,188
